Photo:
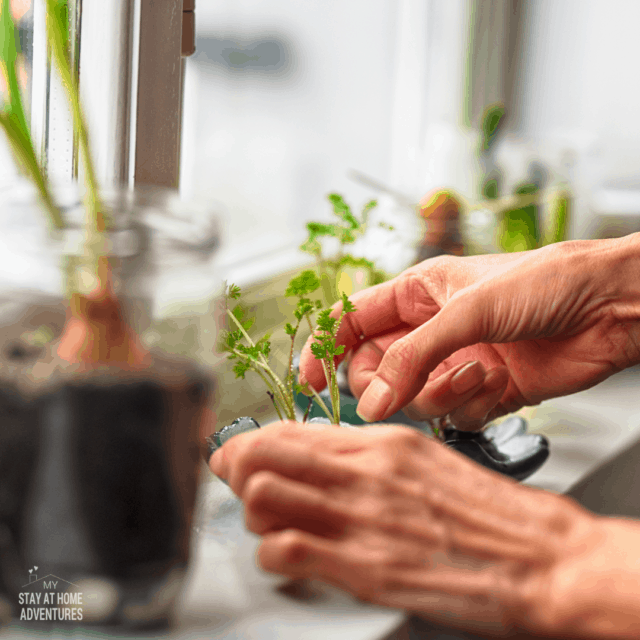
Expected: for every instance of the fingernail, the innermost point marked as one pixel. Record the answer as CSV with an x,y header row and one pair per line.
x,y
375,401
468,377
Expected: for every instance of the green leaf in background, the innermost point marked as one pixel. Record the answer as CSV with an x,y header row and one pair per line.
x,y
520,227
342,210
365,210
12,116
490,188
491,120
557,226
307,282
234,292
58,26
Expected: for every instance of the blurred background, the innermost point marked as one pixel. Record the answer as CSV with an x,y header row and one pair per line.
x,y
285,102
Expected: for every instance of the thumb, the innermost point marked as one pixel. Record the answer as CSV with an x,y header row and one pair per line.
x,y
407,363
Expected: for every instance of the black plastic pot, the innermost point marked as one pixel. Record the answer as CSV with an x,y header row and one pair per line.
x,y
98,481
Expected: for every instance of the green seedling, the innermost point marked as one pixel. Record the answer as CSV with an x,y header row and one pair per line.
x,y
253,355
325,349
347,230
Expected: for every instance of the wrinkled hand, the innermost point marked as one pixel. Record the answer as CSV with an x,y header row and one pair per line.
x,y
479,337
397,519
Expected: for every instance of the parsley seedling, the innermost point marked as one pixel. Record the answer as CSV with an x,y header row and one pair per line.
x,y
253,355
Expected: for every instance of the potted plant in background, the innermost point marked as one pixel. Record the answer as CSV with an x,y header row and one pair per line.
x,y
99,435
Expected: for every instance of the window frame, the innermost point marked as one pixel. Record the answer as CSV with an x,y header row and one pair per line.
x,y
127,56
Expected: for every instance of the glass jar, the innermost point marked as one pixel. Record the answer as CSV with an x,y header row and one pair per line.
x,y
101,406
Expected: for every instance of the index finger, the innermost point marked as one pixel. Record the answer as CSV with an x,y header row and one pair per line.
x,y
311,453
290,449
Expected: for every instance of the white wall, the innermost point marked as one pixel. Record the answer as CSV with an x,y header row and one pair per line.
x,y
270,147
578,100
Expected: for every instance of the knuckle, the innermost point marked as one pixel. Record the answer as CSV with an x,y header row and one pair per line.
x,y
404,439
401,356
285,428
371,509
293,547
257,489
395,465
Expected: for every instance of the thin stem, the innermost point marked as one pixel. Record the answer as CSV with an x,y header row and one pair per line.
x,y
278,387
308,411
239,325
246,336
310,325
335,392
290,375
287,405
273,400
324,366
320,402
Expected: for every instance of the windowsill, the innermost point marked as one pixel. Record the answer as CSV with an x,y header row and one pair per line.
x,y
251,268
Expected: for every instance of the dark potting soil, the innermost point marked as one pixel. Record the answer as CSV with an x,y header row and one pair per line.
x,y
98,476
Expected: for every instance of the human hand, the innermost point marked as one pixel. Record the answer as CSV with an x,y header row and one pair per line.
x,y
528,326
397,519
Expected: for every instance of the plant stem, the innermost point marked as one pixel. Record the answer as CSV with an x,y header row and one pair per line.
x,y
286,401
308,411
239,325
321,403
335,392
275,405
58,38
271,384
290,375
322,362
13,118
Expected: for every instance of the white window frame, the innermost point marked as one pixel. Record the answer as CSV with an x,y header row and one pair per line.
x,y
128,55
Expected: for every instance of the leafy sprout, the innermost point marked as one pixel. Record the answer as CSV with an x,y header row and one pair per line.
x,y
346,230
325,349
251,355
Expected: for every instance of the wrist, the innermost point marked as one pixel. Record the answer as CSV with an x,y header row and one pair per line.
x,y
594,591
621,265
